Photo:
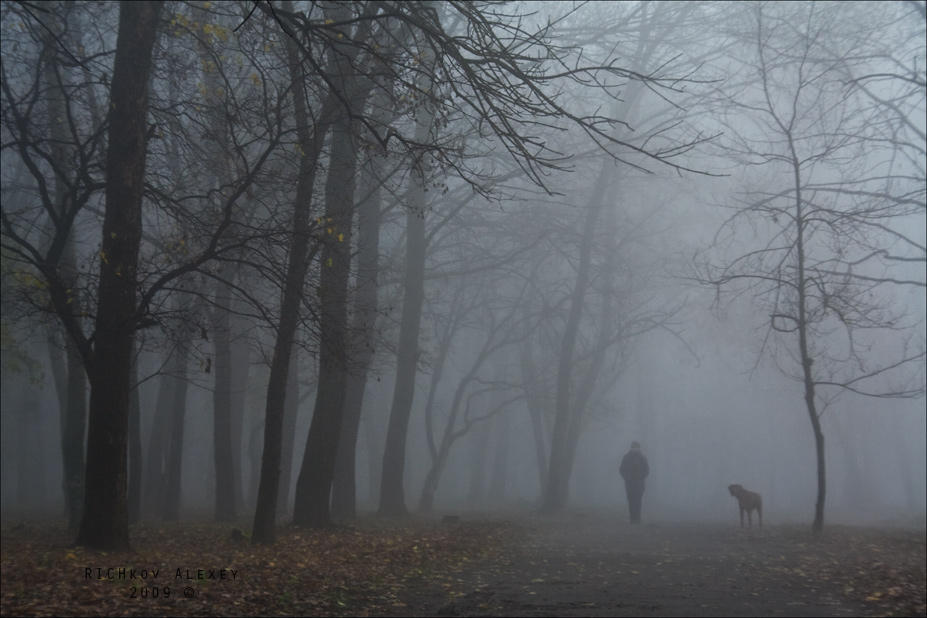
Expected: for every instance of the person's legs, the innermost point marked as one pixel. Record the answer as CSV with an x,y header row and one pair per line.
x,y
634,504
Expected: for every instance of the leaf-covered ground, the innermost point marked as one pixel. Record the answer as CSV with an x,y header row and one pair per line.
x,y
198,569
575,565
595,566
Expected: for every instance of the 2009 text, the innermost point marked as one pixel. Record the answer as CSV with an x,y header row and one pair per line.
x,y
154,592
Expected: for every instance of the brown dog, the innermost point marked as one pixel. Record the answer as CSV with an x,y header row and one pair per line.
x,y
747,500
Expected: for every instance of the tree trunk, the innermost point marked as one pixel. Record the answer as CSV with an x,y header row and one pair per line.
x,y
558,477
593,368
290,410
70,378
134,490
440,456
241,367
804,353
158,441
173,485
226,507
314,486
477,447
344,483
363,329
537,409
375,441
30,460
105,523
73,434
310,138
392,488
500,468
392,491
255,442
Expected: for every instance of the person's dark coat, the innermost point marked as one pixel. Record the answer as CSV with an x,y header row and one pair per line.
x,y
634,470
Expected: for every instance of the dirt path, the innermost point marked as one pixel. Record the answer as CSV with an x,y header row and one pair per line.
x,y
595,567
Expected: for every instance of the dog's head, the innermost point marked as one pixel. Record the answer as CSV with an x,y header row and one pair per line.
x,y
735,489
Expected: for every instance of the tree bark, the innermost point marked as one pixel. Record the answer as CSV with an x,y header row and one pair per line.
x,y
173,478
134,490
537,409
241,368
363,329
226,507
314,486
30,458
73,434
290,410
105,523
392,488
477,448
500,468
804,353
158,442
71,377
310,138
555,497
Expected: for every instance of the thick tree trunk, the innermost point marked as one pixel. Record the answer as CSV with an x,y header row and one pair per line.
x,y
30,458
70,377
134,490
290,409
105,523
73,435
314,486
344,483
310,138
363,329
392,488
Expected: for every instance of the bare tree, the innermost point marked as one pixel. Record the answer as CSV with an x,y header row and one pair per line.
x,y
69,162
797,236
105,517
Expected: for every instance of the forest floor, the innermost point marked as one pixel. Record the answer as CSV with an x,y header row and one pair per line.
x,y
574,565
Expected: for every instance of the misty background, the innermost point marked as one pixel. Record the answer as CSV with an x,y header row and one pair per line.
x,y
638,245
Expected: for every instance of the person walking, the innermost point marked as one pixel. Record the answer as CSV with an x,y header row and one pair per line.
x,y
634,469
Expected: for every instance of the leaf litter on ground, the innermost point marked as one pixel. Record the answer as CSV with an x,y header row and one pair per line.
x,y
401,567
206,569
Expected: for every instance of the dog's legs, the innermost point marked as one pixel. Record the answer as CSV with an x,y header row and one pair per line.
x,y
741,517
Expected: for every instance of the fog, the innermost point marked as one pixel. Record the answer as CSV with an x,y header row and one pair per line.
x,y
694,226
